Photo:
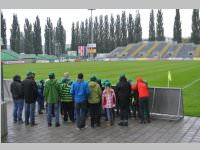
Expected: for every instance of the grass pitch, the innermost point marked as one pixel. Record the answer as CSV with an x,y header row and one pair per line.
x,y
155,72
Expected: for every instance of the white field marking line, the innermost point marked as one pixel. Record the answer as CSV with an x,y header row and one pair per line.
x,y
192,83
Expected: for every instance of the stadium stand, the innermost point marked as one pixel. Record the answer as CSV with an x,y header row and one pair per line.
x,y
125,51
164,50
170,51
187,50
144,49
178,48
197,51
156,52
157,49
9,55
116,51
150,50
138,50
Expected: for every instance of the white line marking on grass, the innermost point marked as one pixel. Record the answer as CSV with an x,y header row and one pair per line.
x,y
192,83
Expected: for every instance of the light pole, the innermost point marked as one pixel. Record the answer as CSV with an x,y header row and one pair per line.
x,y
91,25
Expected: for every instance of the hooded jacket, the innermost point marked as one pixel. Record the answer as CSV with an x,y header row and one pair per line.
x,y
29,90
123,92
95,93
142,88
52,91
16,90
80,91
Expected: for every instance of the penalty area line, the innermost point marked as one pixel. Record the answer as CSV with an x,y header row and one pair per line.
x,y
192,83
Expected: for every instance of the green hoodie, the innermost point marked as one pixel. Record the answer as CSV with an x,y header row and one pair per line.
x,y
95,93
52,91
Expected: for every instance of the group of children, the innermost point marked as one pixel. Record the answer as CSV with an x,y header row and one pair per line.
x,y
80,99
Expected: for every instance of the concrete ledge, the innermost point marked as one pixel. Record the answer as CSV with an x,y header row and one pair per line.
x,y
4,126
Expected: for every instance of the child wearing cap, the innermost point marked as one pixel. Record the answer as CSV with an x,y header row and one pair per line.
x,y
108,102
52,92
94,101
67,102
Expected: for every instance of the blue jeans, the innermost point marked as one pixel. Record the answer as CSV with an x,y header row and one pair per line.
x,y
109,114
80,109
30,113
17,110
49,115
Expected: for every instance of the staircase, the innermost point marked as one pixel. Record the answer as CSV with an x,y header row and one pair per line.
x,y
151,49
177,50
138,50
128,47
164,50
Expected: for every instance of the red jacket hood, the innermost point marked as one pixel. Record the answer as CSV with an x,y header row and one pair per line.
x,y
139,79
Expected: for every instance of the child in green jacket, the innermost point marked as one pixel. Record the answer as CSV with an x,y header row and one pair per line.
x,y
52,93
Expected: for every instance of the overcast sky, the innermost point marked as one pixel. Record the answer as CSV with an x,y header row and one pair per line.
x,y
72,15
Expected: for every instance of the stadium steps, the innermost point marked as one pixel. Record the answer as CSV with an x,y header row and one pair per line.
x,y
114,52
197,52
164,50
128,47
138,50
179,46
149,51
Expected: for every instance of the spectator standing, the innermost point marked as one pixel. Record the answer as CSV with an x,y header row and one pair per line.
x,y
18,99
29,89
52,93
143,101
80,93
67,102
109,102
94,102
123,93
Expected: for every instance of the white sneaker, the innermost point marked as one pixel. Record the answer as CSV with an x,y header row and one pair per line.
x,y
85,127
78,129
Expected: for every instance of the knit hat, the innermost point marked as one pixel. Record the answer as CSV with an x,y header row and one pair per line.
x,y
122,76
103,83
51,74
29,73
93,78
107,83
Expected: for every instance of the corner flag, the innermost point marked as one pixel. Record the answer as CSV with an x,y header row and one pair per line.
x,y
169,76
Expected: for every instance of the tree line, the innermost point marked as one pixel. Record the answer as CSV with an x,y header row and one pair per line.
x,y
126,29
107,33
29,41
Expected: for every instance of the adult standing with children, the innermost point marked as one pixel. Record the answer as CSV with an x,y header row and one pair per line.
x,y
123,93
29,89
80,93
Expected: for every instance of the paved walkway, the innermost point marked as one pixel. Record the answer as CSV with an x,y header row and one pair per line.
x,y
159,131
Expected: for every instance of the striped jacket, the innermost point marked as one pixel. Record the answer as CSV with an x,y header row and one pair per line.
x,y
65,93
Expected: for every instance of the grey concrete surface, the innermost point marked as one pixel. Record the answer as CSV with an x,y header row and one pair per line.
x,y
186,130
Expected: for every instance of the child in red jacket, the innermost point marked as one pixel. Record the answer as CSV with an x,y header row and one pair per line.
x,y
109,102
143,100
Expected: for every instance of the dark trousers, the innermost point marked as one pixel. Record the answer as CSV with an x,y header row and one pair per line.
x,y
95,114
67,109
40,104
144,108
81,108
124,113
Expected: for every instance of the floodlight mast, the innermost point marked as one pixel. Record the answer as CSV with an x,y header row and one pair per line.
x,y
91,25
